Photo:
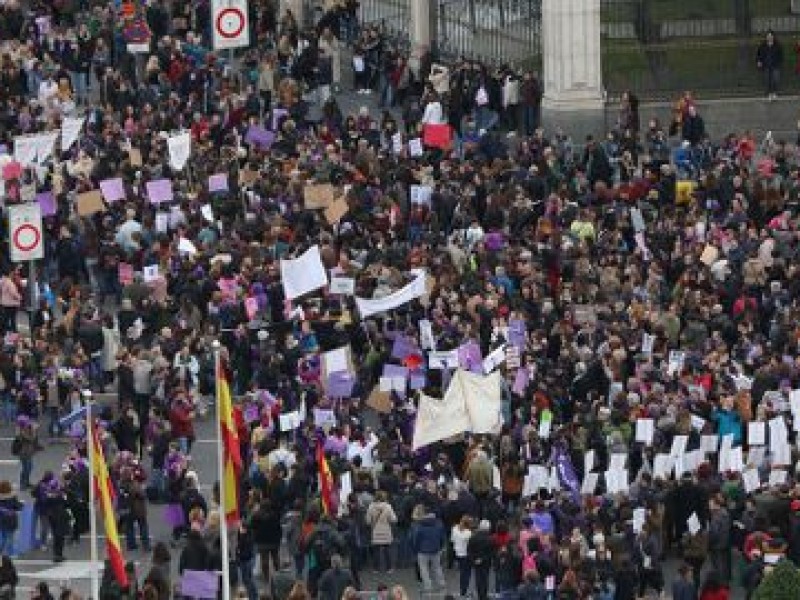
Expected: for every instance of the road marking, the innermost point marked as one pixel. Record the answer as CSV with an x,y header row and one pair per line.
x,y
8,461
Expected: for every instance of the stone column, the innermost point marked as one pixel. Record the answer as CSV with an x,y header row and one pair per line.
x,y
421,30
573,76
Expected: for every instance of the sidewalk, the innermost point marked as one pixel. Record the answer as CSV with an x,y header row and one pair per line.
x,y
721,117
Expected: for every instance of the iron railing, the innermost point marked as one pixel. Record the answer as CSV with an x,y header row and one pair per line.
x,y
491,31
661,47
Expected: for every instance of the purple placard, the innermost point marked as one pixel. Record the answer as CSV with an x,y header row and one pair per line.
x,y
173,515
47,202
395,371
517,332
494,241
252,413
470,358
402,347
218,183
200,584
340,384
521,381
159,191
258,136
112,189
277,115
417,380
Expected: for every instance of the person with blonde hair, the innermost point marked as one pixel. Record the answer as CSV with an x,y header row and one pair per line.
x,y
399,593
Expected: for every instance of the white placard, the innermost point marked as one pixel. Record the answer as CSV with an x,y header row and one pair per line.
x,y
150,273
345,286
679,445
645,429
756,433
777,477
751,480
693,523
709,443
289,421
426,339
589,483
443,359
415,147
420,194
662,466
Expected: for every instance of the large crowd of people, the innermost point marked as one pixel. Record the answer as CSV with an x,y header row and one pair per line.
x,y
637,293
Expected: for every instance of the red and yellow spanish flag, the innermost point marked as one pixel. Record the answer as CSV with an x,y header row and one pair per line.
x,y
325,481
232,458
104,492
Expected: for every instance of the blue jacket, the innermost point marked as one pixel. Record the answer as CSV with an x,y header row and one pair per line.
x,y
728,423
427,536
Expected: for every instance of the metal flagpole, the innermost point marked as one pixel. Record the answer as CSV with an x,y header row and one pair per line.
x,y
92,501
223,529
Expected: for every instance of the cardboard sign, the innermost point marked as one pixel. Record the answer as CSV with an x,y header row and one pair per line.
x,y
135,156
90,203
380,401
317,196
337,210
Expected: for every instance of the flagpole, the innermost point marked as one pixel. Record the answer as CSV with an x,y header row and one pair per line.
x,y
92,503
223,523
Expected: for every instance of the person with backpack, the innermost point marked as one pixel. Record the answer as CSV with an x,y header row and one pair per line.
x,y
321,542
381,517
10,506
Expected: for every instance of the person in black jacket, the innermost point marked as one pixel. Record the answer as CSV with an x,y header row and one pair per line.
x,y
694,127
626,582
196,555
9,517
769,58
480,551
335,580
245,559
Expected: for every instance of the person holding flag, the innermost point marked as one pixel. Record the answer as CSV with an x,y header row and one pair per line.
x,y
104,497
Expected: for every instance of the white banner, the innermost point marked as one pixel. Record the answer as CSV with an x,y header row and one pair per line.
x,y
180,148
229,24
483,398
471,403
438,420
25,149
70,130
303,274
370,306
45,144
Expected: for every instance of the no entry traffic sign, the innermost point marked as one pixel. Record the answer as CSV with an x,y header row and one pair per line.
x,y
230,19
230,22
25,232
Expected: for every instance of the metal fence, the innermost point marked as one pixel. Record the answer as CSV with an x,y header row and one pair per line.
x,y
661,47
491,31
393,17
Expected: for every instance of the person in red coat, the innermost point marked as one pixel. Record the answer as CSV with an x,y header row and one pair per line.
x,y
181,419
714,589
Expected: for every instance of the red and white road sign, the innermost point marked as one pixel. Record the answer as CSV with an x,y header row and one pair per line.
x,y
25,238
230,24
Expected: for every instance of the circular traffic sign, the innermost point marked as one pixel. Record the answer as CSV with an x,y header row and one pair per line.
x,y
230,22
26,237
